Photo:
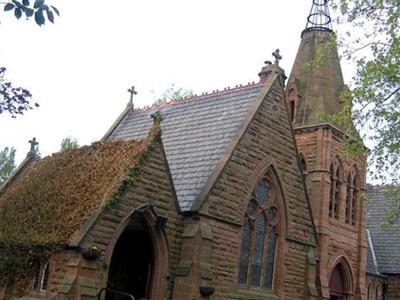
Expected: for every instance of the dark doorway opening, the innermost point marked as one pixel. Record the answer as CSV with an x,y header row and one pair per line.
x,y
131,267
337,284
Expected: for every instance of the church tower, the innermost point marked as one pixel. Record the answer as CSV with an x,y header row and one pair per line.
x,y
335,183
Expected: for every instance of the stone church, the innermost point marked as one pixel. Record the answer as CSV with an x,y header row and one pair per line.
x,y
238,194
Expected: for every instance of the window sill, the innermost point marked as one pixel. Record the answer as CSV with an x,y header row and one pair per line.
x,y
254,293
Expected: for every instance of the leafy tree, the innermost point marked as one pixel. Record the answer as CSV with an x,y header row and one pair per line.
x,y
173,93
37,9
7,163
376,86
68,143
375,47
14,100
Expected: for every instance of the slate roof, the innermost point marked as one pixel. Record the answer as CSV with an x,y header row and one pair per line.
x,y
386,241
195,133
372,267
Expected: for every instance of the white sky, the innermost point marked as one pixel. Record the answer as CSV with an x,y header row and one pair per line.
x,y
79,69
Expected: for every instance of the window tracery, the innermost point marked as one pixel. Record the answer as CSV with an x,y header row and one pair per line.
x,y
259,237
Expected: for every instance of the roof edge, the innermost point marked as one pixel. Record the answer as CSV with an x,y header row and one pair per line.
x,y
30,158
153,136
198,203
116,123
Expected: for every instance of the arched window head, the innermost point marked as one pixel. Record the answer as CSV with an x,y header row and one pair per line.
x,y
340,281
334,197
259,237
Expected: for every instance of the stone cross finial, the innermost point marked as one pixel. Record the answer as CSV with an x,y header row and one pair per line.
x,y
277,56
132,92
33,143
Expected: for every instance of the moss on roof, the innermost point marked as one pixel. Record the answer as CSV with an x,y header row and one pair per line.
x,y
53,197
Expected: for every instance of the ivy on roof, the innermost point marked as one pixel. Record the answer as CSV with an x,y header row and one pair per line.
x,y
52,198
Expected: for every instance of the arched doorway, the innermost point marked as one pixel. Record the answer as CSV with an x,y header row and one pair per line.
x,y
132,262
339,283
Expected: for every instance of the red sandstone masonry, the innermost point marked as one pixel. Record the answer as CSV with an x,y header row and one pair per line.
x,y
267,140
320,145
152,186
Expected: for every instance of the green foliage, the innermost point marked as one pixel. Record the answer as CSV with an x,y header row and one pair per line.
x,y
376,87
320,58
68,143
53,197
7,163
36,9
375,95
173,93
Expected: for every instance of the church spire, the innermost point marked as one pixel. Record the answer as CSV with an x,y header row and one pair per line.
x,y
319,18
316,85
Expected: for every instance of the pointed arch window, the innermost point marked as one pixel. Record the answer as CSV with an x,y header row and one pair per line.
x,y
259,238
354,200
45,278
334,198
349,199
41,277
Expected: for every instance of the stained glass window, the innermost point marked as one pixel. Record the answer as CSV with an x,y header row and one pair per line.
x,y
269,271
258,250
259,238
262,192
245,253
252,207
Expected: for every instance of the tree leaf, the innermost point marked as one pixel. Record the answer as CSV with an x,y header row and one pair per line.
x,y
29,12
55,10
17,12
39,18
9,6
25,2
50,15
38,3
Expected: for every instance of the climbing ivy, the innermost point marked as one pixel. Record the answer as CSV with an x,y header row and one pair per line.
x,y
42,209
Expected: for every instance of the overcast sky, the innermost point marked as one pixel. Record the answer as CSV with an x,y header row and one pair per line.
x,y
79,69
